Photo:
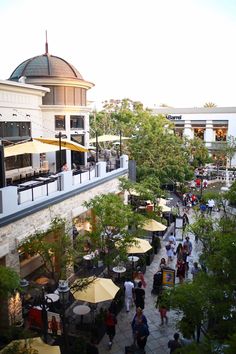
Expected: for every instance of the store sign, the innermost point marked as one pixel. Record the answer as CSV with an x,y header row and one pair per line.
x,y
171,117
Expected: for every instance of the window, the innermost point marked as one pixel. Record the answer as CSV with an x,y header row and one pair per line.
x,y
199,133
220,134
60,122
76,122
15,131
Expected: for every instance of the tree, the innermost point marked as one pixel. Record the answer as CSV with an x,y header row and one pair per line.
x,y
197,151
209,300
230,148
111,221
9,281
158,152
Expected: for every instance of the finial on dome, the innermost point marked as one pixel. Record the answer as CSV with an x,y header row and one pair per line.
x,y
46,44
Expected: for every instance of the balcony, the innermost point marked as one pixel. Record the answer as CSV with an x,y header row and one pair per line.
x,y
18,201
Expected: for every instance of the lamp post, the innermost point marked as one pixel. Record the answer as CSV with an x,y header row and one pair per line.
x,y
64,291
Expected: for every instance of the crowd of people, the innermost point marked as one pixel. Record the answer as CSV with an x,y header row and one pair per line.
x,y
178,257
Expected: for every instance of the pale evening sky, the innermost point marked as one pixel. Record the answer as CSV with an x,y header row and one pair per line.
x,y
178,52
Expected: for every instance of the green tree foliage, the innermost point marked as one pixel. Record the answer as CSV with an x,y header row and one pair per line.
x,y
230,148
231,194
9,281
210,299
197,151
54,246
110,219
158,152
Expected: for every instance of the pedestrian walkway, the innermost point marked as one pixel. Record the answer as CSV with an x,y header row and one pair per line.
x,y
159,335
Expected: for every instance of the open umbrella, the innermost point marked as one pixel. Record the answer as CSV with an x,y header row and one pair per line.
x,y
101,289
140,246
164,208
153,225
63,143
34,344
161,201
104,138
28,147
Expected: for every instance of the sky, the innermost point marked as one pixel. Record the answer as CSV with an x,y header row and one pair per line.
x,y
176,52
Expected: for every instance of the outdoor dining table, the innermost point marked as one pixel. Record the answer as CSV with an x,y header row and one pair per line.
x,y
133,259
119,270
52,297
81,310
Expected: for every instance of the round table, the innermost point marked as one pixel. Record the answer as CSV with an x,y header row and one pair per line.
x,y
88,257
119,270
52,297
133,259
42,280
81,310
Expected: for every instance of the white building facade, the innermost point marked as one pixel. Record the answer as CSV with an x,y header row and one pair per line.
x,y
213,125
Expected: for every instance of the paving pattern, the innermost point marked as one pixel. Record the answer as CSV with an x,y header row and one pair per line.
x,y
159,335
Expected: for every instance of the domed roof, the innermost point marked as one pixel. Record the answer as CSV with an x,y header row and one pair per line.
x,y
45,65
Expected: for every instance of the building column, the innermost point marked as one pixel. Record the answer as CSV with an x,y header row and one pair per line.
x,y
209,137
188,132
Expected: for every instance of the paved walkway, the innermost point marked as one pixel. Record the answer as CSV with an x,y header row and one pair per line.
x,y
159,335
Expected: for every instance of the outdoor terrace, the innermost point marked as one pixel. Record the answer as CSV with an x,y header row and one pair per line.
x,y
20,200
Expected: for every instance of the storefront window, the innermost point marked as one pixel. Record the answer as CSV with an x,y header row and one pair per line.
x,y
76,122
60,122
199,133
220,134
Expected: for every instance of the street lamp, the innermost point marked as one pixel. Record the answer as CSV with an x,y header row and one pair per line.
x,y
64,291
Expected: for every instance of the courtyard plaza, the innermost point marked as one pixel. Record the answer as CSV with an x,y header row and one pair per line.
x,y
159,335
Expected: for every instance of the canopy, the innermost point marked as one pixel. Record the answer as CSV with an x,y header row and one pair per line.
x,y
101,289
153,225
104,138
35,344
164,208
140,246
29,147
161,201
66,143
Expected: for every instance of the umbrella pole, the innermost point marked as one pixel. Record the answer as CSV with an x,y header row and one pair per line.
x,y
96,146
60,156
2,167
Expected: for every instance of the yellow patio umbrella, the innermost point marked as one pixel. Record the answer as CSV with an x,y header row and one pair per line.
x,y
153,225
101,289
28,147
140,246
164,208
34,344
104,138
64,143
161,201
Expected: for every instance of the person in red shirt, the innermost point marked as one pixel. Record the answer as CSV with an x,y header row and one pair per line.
x,y
110,322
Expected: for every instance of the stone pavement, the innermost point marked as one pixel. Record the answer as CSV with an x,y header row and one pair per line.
x,y
159,335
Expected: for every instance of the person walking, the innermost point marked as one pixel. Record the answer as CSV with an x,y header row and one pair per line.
x,y
140,332
181,269
195,270
163,313
170,251
139,296
174,344
188,247
110,322
138,276
129,286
